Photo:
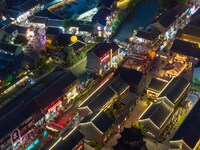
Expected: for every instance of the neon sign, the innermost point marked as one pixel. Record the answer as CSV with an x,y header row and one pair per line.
x,y
104,58
54,105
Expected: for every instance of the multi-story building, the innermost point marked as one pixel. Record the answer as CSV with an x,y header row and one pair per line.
x,y
191,31
155,87
185,52
10,49
97,126
134,78
156,118
102,57
166,108
71,139
35,107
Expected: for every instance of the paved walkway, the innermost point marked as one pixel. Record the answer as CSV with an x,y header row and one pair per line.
x,y
131,120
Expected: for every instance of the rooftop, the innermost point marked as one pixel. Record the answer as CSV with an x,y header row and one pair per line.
x,y
150,33
47,13
130,76
77,45
119,85
167,18
101,16
104,97
103,48
11,122
41,93
37,19
106,3
70,140
28,5
175,89
158,113
189,131
8,47
100,120
10,29
186,48
55,23
157,84
11,13
53,31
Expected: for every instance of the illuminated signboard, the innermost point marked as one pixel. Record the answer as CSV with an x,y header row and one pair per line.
x,y
54,105
104,58
15,135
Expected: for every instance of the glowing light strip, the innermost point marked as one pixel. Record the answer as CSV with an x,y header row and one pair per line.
x,y
55,143
94,92
69,133
104,58
54,105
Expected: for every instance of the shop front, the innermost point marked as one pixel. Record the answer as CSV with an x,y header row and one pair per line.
x,y
53,110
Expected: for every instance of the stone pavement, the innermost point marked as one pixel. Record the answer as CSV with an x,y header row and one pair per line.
x,y
131,120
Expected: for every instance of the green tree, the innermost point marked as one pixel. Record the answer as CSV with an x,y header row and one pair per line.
x,y
9,80
197,80
20,39
70,59
67,23
41,66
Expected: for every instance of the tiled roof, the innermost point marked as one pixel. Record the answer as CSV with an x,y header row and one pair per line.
x,y
55,23
150,33
106,3
53,31
129,99
77,45
100,120
158,113
28,5
104,97
101,16
44,93
11,13
157,84
167,18
189,131
8,47
12,120
55,90
185,48
47,13
10,29
119,85
38,19
130,76
70,142
175,89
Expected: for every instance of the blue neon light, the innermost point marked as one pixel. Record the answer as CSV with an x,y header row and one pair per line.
x,y
33,144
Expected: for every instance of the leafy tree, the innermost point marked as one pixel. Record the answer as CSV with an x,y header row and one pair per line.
x,y
197,80
70,59
41,66
20,39
9,80
67,23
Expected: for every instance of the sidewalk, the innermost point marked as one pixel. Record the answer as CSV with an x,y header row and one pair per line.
x,y
131,120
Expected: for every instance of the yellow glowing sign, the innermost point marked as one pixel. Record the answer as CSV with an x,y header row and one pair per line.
x,y
73,38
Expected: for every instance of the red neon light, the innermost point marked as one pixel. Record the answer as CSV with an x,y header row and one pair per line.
x,y
104,58
54,105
